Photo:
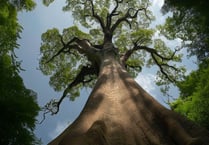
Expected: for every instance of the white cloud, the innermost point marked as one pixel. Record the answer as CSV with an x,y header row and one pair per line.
x,y
61,125
146,81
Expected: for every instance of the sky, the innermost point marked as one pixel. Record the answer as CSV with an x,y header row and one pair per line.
x,y
37,22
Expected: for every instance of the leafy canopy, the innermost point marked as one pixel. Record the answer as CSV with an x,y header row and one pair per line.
x,y
9,26
72,57
194,98
189,22
18,104
18,107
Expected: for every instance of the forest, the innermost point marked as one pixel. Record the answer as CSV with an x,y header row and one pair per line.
x,y
103,49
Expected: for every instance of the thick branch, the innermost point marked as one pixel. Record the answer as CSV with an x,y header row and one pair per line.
x,y
128,53
153,53
150,50
64,49
83,46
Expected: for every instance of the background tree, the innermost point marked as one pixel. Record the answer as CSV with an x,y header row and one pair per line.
x,y
9,26
18,104
190,22
118,110
194,98
18,107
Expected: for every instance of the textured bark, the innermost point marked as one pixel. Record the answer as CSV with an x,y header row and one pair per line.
x,y
120,112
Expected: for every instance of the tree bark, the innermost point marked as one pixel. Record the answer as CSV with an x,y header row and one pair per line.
x,y
120,112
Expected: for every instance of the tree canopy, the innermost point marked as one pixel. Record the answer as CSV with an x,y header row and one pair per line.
x,y
189,22
194,101
71,57
18,104
9,26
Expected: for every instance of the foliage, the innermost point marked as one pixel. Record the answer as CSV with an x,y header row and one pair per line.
x,y
9,26
17,103
63,66
18,107
189,22
194,98
67,55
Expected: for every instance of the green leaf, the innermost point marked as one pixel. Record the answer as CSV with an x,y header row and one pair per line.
x,y
47,2
194,101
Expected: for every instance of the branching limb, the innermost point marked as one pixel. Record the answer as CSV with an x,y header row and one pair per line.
x,y
154,54
126,17
44,115
161,64
96,16
145,12
64,49
162,69
150,50
154,51
113,13
83,46
54,105
127,55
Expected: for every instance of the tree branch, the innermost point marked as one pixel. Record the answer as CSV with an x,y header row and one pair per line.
x,y
136,47
127,55
97,17
54,105
113,13
62,50
83,46
125,18
153,53
162,69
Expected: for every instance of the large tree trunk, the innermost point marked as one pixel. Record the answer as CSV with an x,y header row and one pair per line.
x,y
120,112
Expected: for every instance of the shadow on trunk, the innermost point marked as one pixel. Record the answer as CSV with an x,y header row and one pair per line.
x,y
120,112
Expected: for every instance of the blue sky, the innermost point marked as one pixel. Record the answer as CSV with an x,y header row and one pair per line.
x,y
37,22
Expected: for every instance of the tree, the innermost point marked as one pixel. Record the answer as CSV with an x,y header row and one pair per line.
x,y
18,107
193,101
189,22
9,26
18,104
118,110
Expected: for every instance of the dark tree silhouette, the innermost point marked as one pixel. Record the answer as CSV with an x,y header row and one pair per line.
x,y
189,22
18,104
